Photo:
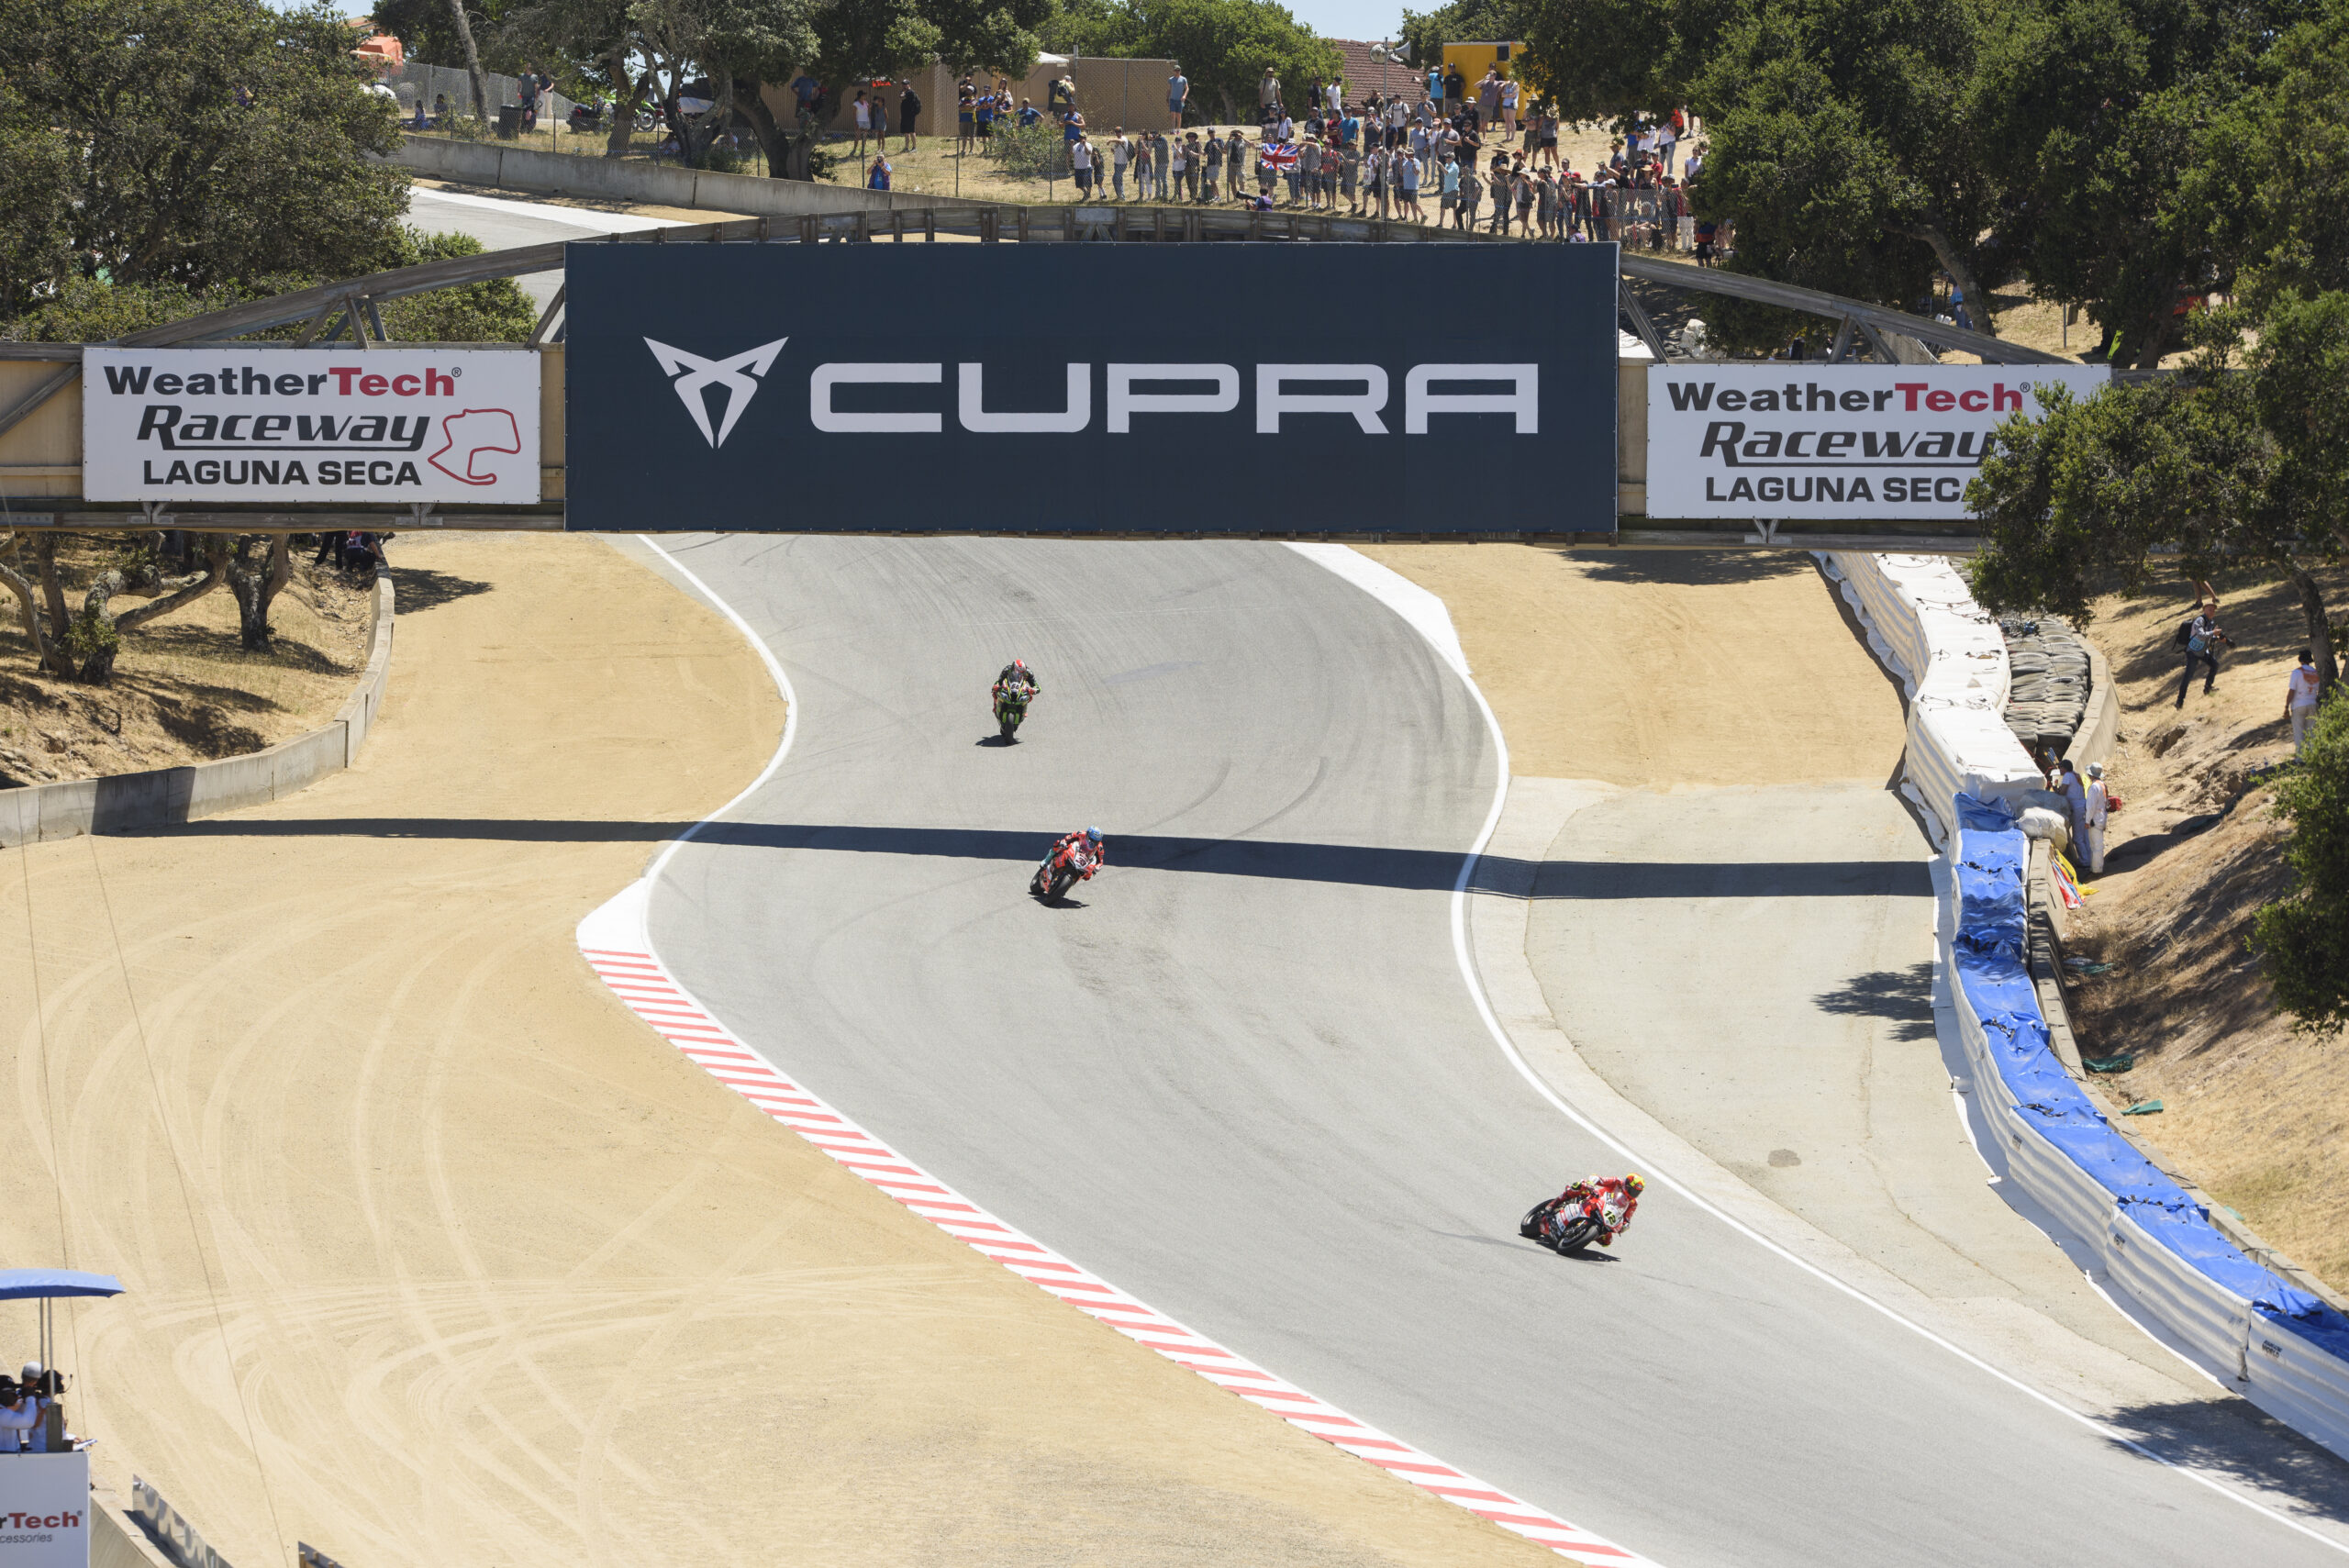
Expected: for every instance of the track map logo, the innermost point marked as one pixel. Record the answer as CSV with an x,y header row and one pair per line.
x,y
693,377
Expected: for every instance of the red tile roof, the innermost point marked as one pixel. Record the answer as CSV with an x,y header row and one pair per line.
x,y
1365,75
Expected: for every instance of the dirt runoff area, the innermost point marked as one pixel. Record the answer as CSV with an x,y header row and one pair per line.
x,y
2255,1113
1664,667
185,687
435,1254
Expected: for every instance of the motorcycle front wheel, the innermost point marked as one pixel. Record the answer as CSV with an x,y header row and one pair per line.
x,y
1579,1234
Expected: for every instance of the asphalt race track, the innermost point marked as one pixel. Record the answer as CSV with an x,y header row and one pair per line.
x,y
1239,1074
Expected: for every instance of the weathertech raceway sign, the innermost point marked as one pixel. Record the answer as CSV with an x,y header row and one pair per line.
x,y
45,1510
376,426
1226,388
1789,440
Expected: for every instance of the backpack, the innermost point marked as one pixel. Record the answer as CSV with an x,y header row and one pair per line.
x,y
2185,633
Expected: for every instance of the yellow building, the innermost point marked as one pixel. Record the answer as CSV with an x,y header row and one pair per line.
x,y
1473,59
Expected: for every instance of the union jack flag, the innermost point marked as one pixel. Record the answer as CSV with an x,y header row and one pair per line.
x,y
1280,157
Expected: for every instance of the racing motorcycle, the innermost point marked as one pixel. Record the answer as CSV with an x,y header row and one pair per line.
x,y
1580,1217
1063,868
1011,700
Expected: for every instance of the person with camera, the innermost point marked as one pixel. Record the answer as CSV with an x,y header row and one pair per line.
x,y
2201,639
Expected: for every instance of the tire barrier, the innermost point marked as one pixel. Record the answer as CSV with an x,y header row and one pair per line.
x,y
2277,1345
1922,620
2048,684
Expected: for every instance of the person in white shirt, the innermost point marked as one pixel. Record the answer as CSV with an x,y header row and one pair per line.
x,y
2095,808
2299,700
1667,142
20,1413
2076,803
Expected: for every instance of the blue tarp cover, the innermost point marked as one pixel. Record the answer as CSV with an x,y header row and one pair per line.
x,y
1988,950
29,1285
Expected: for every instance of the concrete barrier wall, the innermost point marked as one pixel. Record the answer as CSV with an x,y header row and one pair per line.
x,y
2100,724
2278,1345
129,802
1922,620
635,180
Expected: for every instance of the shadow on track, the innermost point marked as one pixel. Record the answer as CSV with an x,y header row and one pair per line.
x,y
1357,865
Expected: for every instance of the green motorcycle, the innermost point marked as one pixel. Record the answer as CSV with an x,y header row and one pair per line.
x,y
1011,706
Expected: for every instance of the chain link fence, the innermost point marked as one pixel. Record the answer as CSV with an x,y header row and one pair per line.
x,y
421,86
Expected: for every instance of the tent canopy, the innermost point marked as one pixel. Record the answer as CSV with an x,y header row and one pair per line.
x,y
32,1284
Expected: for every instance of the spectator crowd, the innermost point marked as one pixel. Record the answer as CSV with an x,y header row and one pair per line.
x,y
1447,152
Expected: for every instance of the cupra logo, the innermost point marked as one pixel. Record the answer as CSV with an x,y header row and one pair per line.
x,y
692,376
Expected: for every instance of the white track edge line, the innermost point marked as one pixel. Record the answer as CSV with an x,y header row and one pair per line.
x,y
1509,1048
1530,1521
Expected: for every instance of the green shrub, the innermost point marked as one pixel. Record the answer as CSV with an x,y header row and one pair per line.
x,y
2302,940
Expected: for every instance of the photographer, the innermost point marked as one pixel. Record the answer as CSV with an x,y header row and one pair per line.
x,y
2201,639
20,1415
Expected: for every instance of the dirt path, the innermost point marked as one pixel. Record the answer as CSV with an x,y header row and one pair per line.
x,y
1664,667
437,1256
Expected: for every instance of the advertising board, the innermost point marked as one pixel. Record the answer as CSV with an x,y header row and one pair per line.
x,y
1888,442
367,427
1227,388
45,1510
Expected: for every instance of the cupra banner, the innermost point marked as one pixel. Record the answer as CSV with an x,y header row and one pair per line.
x,y
1226,387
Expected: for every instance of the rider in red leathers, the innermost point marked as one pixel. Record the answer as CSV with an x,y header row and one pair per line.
x,y
1626,1189
1086,844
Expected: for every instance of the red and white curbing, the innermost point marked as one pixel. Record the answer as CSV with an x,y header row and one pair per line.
x,y
614,942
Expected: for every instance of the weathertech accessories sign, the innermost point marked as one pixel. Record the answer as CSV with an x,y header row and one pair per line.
x,y
1789,440
1228,388
379,425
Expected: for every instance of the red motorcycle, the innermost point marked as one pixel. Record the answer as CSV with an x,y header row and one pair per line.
x,y
1580,1217
1066,865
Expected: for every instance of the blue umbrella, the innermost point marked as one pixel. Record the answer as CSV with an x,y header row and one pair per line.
x,y
42,1284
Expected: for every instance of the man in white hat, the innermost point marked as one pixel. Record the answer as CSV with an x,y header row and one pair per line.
x,y
2098,807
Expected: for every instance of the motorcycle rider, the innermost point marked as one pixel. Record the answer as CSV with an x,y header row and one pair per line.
x,y
1086,843
1626,1188
1094,849
1016,673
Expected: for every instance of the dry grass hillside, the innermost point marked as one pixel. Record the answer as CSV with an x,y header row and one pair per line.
x,y
184,688
2256,1114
